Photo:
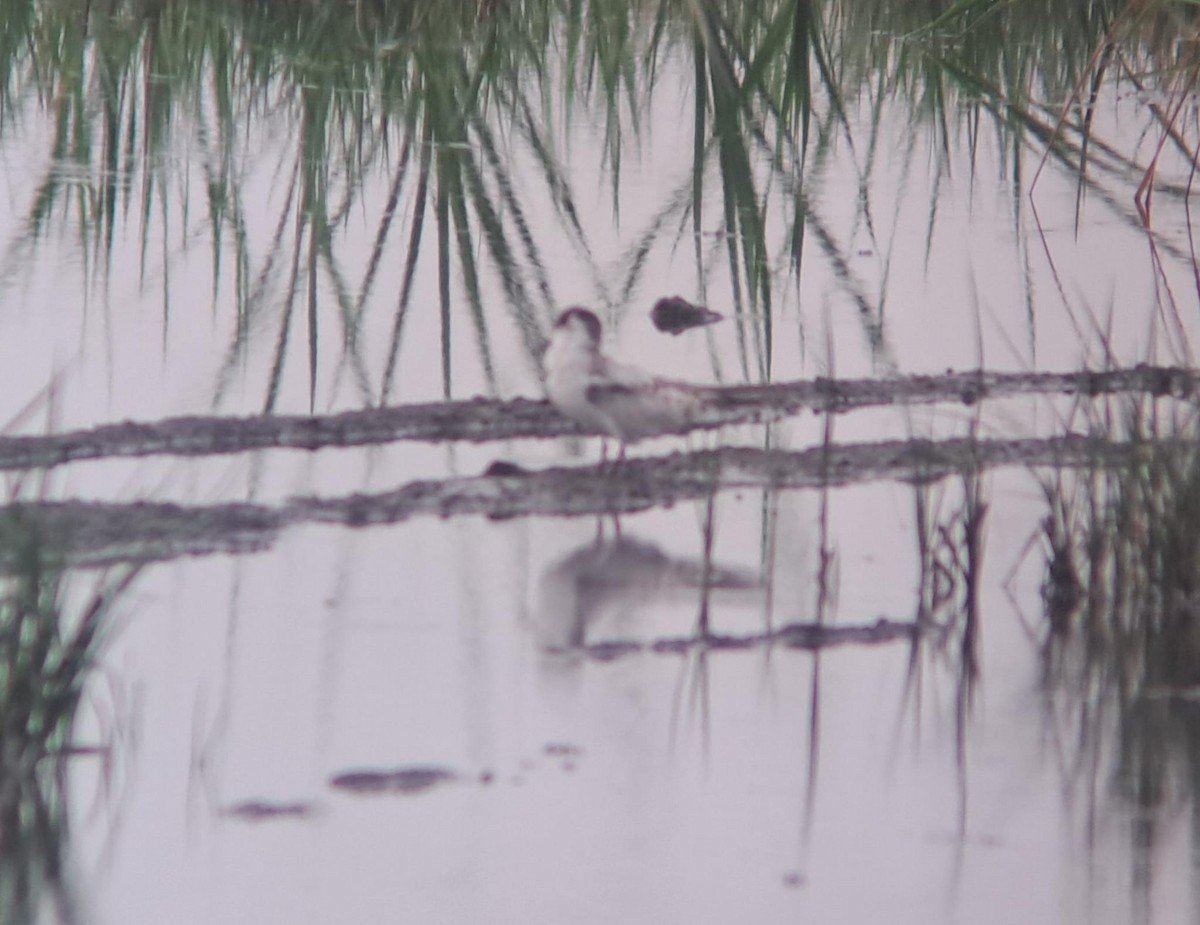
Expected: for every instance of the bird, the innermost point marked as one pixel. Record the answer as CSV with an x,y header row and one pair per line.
x,y
608,397
675,314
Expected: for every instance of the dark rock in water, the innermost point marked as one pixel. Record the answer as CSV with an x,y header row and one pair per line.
x,y
399,780
674,315
501,468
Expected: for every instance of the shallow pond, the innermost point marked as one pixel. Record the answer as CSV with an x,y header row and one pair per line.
x,y
850,650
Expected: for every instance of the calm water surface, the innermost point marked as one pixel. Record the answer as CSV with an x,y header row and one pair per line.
x,y
765,784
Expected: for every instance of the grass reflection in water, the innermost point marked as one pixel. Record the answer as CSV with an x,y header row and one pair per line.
x,y
49,643
345,173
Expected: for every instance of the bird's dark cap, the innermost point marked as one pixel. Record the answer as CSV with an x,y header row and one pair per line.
x,y
587,317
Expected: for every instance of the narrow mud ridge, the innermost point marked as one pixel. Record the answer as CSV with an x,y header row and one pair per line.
x,y
480,420
809,636
93,533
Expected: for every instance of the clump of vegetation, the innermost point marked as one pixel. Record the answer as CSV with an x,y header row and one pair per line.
x,y
1121,597
1123,564
47,648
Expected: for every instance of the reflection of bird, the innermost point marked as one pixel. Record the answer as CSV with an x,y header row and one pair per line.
x,y
675,314
622,401
609,582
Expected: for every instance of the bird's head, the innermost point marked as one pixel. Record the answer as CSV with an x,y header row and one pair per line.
x,y
579,322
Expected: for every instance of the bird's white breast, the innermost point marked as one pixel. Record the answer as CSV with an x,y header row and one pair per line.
x,y
569,363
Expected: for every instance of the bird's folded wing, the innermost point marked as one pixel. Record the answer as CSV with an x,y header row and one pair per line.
x,y
657,406
622,374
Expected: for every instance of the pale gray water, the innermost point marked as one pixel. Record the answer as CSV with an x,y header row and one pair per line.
x,y
765,785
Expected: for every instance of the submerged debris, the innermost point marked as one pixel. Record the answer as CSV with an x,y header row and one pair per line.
x,y
792,635
262,810
95,533
397,780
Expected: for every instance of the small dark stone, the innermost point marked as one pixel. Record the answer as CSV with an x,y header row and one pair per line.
x,y
502,467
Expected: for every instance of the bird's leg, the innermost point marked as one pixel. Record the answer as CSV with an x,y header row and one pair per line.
x,y
616,519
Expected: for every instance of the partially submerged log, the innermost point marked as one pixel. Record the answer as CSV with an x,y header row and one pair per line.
x,y
480,420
